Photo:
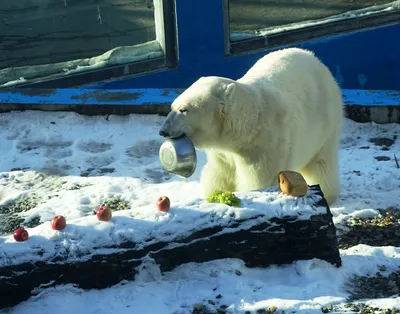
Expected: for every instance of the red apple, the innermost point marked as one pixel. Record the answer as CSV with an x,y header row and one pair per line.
x,y
58,223
20,234
163,203
104,213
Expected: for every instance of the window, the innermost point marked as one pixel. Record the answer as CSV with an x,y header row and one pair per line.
x,y
60,43
255,24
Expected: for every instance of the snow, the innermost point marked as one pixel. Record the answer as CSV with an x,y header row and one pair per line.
x,y
377,9
72,163
15,82
116,56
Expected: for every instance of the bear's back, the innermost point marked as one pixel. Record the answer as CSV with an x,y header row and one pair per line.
x,y
286,67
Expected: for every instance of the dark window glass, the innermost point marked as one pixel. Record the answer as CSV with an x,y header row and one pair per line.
x,y
58,37
251,18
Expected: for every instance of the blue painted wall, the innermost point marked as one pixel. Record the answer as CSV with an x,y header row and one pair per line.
x,y
361,60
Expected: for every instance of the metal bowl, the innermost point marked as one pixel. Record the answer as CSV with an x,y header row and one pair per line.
x,y
178,155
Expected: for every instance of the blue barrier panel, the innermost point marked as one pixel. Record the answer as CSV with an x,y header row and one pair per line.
x,y
367,59
380,106
150,96
89,97
371,98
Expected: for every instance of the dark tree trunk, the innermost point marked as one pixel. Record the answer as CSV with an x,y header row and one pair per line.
x,y
257,243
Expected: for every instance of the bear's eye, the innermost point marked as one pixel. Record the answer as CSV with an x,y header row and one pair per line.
x,y
182,110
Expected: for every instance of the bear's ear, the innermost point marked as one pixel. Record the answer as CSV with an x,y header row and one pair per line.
x,y
230,91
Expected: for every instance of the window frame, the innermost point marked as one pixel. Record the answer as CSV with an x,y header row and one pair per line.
x,y
300,35
166,29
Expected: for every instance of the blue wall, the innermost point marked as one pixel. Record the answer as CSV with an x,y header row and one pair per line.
x,y
361,60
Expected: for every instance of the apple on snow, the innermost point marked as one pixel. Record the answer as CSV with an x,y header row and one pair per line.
x,y
104,213
163,204
20,234
58,222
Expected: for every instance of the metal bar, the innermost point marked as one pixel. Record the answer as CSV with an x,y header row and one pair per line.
x,y
170,33
227,41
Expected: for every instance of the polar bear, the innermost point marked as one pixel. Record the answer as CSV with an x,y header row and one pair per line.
x,y
285,113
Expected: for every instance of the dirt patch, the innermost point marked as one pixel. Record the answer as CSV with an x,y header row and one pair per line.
x,y
11,218
144,149
378,231
116,204
382,141
382,158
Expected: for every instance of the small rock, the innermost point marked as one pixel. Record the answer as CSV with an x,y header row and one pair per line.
x,y
382,268
262,311
197,306
223,306
15,169
106,170
218,296
367,310
385,148
238,272
272,309
382,141
354,308
382,158
326,309
211,302
364,147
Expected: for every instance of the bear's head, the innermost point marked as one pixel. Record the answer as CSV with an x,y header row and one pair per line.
x,y
198,111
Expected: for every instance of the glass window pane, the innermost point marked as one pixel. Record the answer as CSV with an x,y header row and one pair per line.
x,y
249,18
47,37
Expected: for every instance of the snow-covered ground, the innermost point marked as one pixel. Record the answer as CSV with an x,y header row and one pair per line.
x,y
72,163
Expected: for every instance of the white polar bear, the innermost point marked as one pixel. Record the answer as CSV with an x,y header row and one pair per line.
x,y
285,113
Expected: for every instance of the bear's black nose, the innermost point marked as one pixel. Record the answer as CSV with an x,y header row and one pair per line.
x,y
164,134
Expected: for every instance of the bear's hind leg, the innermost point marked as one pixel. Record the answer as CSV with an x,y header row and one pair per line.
x,y
324,170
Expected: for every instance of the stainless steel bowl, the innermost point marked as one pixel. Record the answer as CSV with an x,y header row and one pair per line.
x,y
178,155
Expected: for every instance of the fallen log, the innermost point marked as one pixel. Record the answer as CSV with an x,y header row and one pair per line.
x,y
279,231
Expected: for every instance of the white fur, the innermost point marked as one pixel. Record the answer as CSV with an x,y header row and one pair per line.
x,y
285,113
